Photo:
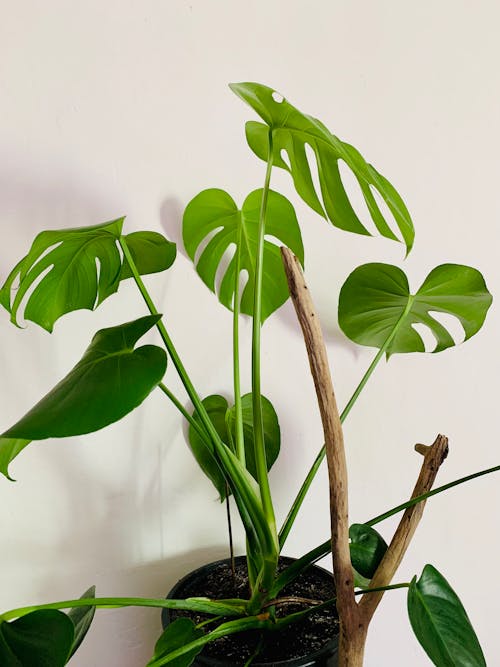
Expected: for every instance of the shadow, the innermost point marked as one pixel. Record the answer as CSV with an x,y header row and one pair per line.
x,y
171,212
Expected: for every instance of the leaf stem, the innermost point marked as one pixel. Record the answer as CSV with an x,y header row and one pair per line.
x,y
184,412
240,441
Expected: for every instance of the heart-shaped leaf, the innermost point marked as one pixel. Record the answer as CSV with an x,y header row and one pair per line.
x,y
213,216
72,269
377,309
111,379
292,132
150,251
367,548
82,618
41,638
223,417
176,635
440,622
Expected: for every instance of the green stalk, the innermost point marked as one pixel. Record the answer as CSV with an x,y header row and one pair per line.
x,y
184,412
297,503
389,587
240,442
224,607
258,420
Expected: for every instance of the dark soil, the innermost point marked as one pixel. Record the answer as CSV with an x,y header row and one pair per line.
x,y
298,640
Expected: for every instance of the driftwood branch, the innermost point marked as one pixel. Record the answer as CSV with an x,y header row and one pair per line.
x,y
334,442
434,456
354,618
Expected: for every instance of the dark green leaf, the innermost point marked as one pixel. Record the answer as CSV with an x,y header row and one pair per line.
x,y
40,639
82,618
213,215
111,379
293,131
67,259
150,251
375,303
223,417
367,548
440,622
176,635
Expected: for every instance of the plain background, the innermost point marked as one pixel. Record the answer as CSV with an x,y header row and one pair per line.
x,y
122,107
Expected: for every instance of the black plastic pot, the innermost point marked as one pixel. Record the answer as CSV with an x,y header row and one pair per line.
x,y
193,584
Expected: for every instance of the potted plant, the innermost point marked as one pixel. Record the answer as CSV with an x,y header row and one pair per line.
x,y
236,442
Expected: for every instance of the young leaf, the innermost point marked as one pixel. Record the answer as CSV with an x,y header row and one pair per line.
x,y
440,622
67,260
176,635
375,303
367,548
41,638
82,618
111,379
150,251
292,132
223,418
213,215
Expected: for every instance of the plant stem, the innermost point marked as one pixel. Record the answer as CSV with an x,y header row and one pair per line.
x,y
183,411
390,587
297,503
240,441
258,420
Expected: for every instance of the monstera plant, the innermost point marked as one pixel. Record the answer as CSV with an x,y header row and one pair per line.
x,y
236,440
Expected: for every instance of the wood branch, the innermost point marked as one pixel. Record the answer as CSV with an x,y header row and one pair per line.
x,y
337,470
434,456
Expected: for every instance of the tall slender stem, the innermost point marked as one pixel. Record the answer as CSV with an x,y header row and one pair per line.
x,y
258,420
240,441
192,422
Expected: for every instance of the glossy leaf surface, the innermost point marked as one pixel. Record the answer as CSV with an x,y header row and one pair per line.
x,y
111,379
375,303
9,449
367,548
213,217
440,622
176,635
292,133
39,639
223,418
150,251
82,618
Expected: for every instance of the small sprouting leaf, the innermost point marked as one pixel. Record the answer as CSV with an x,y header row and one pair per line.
x,y
150,251
214,216
367,548
82,618
111,379
375,303
41,638
67,260
292,133
176,635
223,418
440,622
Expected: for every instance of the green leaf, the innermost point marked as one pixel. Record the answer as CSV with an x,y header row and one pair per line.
x,y
39,639
367,548
82,618
111,379
213,215
67,260
440,622
176,635
224,419
150,251
9,449
293,131
377,309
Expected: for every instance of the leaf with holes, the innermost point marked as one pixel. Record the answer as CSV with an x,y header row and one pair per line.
x,y
367,548
82,618
440,622
377,309
223,418
213,216
176,635
292,132
111,379
43,638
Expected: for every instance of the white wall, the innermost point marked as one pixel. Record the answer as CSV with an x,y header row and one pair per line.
x,y
120,107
